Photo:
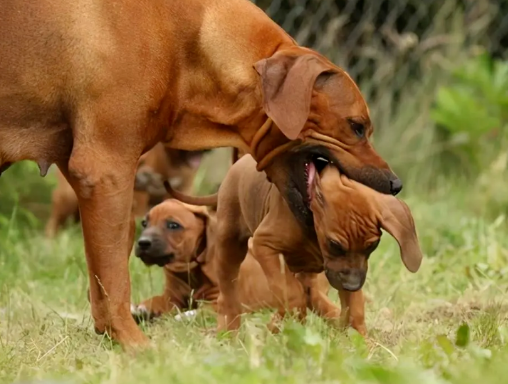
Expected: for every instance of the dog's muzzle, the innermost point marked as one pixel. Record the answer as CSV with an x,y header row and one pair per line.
x,y
349,280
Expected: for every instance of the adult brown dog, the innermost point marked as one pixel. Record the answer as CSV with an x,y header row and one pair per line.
x,y
93,84
181,239
158,164
348,218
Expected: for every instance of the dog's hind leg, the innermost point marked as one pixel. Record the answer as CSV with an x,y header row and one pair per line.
x,y
101,170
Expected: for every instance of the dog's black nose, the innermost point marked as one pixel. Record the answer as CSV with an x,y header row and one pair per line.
x,y
144,243
395,186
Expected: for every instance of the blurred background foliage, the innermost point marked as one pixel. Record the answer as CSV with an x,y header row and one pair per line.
x,y
435,76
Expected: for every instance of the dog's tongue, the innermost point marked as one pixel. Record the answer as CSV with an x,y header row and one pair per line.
x,y
311,174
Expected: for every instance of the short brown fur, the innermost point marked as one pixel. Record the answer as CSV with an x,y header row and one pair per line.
x,y
91,85
348,218
191,276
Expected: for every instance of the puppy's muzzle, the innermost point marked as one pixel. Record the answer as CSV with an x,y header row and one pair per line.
x,y
349,279
152,250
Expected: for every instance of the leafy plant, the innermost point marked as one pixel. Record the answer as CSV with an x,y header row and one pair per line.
x,y
472,112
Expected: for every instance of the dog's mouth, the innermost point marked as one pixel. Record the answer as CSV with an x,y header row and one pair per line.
x,y
314,162
158,260
304,164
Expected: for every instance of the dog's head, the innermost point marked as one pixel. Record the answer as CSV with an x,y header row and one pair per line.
x,y
174,235
348,218
312,100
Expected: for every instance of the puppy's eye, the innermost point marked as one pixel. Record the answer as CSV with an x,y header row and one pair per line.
x,y
144,223
173,225
335,248
372,246
358,129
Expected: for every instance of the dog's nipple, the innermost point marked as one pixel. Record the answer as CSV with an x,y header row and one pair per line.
x,y
43,167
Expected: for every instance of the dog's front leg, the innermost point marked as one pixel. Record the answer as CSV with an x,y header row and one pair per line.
x,y
103,179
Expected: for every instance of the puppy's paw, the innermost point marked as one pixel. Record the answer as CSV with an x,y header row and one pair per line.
x,y
186,315
140,313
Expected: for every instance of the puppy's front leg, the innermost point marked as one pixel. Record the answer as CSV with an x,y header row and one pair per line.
x,y
230,254
154,307
288,292
318,287
353,310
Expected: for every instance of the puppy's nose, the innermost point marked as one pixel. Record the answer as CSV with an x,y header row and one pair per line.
x,y
351,280
144,243
395,186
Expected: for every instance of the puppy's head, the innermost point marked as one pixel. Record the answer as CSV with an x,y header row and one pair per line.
x,y
174,234
348,219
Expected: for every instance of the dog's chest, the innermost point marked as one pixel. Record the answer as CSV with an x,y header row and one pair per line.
x,y
195,279
304,260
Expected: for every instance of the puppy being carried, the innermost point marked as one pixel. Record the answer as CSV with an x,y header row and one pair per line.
x,y
345,228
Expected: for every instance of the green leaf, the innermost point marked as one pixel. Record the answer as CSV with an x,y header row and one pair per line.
x,y
463,335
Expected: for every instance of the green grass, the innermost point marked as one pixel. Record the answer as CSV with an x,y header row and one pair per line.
x,y
46,331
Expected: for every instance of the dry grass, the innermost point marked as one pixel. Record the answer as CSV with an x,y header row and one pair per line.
x,y
46,330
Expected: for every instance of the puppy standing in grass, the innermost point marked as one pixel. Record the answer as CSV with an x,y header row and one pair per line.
x,y
346,228
181,239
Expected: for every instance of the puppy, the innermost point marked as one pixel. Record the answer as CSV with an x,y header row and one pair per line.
x,y
179,167
181,239
346,229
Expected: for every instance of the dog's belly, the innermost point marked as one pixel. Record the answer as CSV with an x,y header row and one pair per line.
x,y
44,144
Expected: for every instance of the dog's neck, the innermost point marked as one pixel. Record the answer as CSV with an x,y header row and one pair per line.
x,y
220,98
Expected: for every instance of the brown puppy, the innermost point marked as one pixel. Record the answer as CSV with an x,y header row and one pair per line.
x,y
348,218
92,85
180,238
179,167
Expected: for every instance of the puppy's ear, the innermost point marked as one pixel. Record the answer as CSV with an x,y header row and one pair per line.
x,y
287,81
397,220
204,246
317,198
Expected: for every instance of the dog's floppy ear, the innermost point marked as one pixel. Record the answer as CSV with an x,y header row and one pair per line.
x,y
397,220
287,81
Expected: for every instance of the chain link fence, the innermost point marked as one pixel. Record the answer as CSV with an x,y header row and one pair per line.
x,y
383,42
399,52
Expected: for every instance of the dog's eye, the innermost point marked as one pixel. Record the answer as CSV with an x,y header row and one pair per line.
x,y
144,223
173,225
358,129
335,248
